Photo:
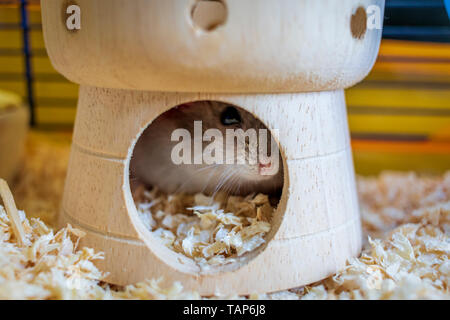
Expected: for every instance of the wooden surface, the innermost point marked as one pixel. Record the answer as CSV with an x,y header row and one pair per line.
x,y
251,49
317,220
263,46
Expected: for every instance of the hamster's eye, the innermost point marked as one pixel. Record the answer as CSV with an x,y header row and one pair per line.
x,y
230,116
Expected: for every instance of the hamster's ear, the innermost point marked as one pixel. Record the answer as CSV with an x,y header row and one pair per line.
x,y
186,105
178,110
171,113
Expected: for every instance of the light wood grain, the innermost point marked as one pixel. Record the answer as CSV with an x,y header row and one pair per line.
x,y
264,46
319,195
286,62
310,124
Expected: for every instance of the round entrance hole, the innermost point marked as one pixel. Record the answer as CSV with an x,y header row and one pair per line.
x,y
206,179
207,15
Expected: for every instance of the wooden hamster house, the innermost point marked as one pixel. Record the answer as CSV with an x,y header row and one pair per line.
x,y
286,62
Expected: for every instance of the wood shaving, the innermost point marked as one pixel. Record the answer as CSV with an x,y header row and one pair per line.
x,y
49,268
211,231
13,213
406,221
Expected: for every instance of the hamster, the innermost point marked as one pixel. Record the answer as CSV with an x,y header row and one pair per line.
x,y
153,165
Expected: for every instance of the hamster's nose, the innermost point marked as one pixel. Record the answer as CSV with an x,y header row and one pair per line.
x,y
263,167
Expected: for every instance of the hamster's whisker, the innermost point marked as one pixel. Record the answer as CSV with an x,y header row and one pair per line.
x,y
231,183
192,175
223,179
180,188
207,184
216,188
237,186
211,166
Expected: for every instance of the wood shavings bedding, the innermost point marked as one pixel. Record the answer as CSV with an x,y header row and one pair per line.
x,y
211,231
406,257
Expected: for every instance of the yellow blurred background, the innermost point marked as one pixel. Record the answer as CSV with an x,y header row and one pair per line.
x,y
399,115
